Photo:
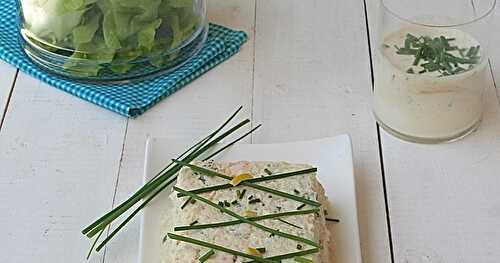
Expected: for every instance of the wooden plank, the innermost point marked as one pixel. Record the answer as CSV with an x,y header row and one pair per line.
x,y
443,201
312,79
6,84
59,159
188,114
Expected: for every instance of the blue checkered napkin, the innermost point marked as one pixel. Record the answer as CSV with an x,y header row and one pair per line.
x,y
131,99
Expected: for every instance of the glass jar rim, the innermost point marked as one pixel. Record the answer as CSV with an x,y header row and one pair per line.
x,y
488,12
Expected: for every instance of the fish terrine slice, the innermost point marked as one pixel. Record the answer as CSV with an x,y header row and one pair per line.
x,y
242,237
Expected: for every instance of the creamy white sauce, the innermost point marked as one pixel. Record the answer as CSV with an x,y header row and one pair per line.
x,y
425,105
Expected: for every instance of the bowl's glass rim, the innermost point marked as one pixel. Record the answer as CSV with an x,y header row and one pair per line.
x,y
394,13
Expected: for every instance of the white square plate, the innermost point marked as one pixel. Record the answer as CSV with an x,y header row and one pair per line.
x,y
332,157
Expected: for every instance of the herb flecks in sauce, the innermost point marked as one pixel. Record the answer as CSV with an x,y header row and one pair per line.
x,y
438,54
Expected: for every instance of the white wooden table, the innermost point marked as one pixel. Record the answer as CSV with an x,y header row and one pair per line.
x,y
304,73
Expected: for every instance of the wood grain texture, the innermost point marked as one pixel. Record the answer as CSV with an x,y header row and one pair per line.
x,y
188,114
59,158
7,77
312,79
443,199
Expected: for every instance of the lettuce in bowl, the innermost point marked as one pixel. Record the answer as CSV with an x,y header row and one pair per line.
x,y
111,35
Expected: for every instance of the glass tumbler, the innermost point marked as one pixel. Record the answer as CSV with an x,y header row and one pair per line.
x,y
431,67
112,40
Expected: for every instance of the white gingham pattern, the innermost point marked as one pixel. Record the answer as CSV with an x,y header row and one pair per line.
x,y
129,99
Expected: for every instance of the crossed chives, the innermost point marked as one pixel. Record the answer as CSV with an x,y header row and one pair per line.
x,y
249,183
254,180
246,220
256,218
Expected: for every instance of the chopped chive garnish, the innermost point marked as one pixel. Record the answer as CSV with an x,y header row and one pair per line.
x,y
437,54
226,203
250,184
254,218
240,196
220,203
302,260
219,248
207,255
270,196
332,220
407,51
194,223
290,255
202,179
250,197
186,202
254,180
296,191
299,246
234,202
246,220
470,52
301,206
253,201
268,171
288,223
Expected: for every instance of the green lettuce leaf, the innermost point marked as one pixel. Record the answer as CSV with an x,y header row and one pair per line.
x,y
86,32
146,36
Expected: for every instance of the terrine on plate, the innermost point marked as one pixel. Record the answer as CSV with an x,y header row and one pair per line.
x,y
282,197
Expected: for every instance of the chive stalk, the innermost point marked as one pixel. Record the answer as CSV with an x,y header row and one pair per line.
x,y
302,260
248,183
144,191
186,202
256,218
246,220
219,248
290,224
207,255
254,180
159,182
291,255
